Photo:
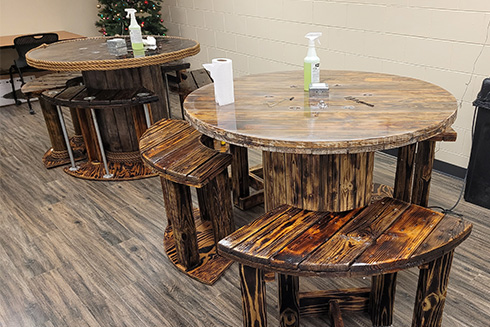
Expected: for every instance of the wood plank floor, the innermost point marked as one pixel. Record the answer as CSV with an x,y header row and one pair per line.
x,y
89,253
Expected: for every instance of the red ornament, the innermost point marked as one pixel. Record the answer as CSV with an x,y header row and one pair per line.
x,y
146,2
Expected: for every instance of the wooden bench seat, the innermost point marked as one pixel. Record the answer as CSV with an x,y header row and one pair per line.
x,y
385,237
84,97
184,158
58,154
117,165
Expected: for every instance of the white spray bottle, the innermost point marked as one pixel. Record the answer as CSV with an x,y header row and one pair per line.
x,y
134,31
312,62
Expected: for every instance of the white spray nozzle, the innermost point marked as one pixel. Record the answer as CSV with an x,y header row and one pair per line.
x,y
131,12
312,36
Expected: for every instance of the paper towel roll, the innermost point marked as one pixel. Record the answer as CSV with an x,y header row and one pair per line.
x,y
221,70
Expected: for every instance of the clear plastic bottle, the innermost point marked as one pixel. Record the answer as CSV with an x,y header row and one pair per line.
x,y
135,31
311,64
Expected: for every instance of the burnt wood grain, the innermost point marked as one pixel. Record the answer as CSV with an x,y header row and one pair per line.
x,y
317,182
423,172
382,299
178,205
386,236
253,289
378,240
288,301
211,266
182,157
431,292
173,148
316,303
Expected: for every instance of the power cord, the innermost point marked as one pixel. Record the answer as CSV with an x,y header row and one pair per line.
x,y
451,210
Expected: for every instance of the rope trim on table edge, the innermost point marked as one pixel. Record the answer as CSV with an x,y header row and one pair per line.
x,y
111,64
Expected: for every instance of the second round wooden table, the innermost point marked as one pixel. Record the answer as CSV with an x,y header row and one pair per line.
x,y
318,151
120,128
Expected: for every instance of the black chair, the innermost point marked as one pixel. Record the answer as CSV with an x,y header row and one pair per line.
x,y
23,44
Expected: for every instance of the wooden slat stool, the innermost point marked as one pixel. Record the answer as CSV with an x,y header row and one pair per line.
x,y
184,158
116,165
242,177
385,237
57,155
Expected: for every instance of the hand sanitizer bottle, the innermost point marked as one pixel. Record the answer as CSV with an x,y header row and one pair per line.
x,y
312,62
134,31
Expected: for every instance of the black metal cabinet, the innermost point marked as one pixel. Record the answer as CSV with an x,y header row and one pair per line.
x,y
478,180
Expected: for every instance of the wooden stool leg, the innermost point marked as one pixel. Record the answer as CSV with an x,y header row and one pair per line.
x,y
335,315
53,125
431,292
76,123
253,297
205,208
239,173
423,172
288,301
382,299
88,132
215,204
404,172
178,206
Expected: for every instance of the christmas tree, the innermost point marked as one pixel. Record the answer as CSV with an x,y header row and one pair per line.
x,y
112,17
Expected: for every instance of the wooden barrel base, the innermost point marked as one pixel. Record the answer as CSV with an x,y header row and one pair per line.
x,y
54,158
121,171
211,266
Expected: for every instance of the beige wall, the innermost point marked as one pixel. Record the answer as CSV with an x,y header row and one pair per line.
x,y
437,41
33,16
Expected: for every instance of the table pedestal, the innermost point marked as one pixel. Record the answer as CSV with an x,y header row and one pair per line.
x,y
318,182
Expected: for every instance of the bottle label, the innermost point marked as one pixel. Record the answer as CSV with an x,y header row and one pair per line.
x,y
136,38
315,73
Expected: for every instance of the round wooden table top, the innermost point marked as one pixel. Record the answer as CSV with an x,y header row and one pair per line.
x,y
362,112
93,54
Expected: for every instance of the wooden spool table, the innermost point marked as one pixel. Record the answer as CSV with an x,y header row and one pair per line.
x,y
57,155
318,152
120,128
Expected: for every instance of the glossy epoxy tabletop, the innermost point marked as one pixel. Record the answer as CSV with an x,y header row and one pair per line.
x,y
363,112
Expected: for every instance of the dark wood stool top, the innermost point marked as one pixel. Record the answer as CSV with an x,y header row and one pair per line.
x,y
84,97
48,82
387,236
174,149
